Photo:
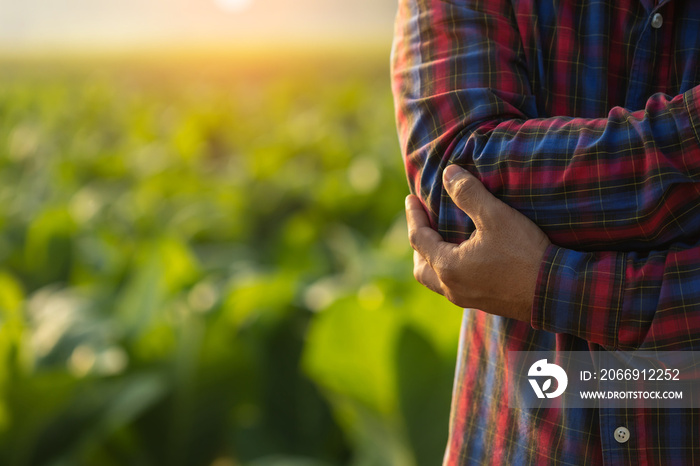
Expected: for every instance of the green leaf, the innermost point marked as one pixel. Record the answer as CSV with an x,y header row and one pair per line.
x,y
349,351
424,390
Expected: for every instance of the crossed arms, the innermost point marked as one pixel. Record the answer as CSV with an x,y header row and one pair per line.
x,y
622,190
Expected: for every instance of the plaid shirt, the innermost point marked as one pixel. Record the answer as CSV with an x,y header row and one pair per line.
x,y
583,116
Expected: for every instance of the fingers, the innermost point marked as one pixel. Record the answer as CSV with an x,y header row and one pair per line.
x,y
425,274
472,197
423,238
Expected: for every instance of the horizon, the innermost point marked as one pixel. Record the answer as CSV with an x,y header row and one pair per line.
x,y
92,25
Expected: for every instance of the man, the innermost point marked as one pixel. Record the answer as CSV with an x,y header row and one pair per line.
x,y
563,110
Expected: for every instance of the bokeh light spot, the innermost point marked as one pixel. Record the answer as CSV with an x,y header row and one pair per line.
x,y
233,6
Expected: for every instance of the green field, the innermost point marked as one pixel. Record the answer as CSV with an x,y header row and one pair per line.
x,y
203,261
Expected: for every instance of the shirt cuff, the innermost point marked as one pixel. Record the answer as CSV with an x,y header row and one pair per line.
x,y
580,293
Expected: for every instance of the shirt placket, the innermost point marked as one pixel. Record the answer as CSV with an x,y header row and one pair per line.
x,y
619,434
648,32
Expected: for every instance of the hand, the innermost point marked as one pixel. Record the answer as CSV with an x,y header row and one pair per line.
x,y
496,269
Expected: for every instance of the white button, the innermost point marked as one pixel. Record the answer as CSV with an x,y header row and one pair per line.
x,y
622,435
657,20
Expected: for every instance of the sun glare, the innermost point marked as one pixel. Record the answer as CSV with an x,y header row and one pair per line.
x,y
233,6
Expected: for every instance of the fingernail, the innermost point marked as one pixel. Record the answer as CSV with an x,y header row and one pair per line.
x,y
452,172
408,201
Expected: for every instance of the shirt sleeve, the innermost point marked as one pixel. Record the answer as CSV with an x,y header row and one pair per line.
x,y
621,300
627,181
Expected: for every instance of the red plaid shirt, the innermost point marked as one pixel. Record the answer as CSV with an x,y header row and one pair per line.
x,y
583,116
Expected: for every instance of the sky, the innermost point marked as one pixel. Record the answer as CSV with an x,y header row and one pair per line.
x,y
49,24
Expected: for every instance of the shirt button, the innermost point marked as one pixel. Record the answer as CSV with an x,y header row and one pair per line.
x,y
622,435
657,20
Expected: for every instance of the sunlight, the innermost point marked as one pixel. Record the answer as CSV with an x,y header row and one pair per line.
x,y
233,6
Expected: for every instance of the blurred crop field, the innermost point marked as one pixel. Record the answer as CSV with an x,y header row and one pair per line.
x,y
203,261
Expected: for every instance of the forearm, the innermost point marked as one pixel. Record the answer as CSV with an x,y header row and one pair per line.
x,y
622,300
624,182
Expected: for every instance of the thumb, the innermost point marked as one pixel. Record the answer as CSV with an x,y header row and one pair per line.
x,y
470,195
